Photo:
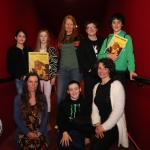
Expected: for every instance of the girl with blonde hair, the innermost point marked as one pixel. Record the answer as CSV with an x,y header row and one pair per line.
x,y
42,45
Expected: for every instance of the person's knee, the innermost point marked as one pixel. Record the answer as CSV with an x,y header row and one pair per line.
x,y
93,147
64,147
79,146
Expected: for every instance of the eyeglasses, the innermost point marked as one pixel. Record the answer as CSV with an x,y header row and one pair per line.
x,y
89,28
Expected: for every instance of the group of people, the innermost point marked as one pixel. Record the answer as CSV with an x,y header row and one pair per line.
x,y
104,87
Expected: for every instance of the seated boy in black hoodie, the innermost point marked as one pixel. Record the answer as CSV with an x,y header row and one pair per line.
x,y
72,107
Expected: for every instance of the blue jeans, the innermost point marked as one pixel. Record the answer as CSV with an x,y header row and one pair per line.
x,y
64,77
19,85
77,141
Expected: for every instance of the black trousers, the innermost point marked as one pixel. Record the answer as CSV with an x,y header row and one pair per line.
x,y
77,141
89,83
105,143
121,76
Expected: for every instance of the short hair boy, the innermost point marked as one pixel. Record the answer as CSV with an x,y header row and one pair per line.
x,y
126,58
88,50
69,109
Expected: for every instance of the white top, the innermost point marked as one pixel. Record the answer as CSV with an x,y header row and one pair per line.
x,y
117,116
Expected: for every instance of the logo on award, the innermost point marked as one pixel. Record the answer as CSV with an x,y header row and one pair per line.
x,y
1,128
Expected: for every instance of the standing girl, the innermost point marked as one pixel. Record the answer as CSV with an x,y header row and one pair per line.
x,y
42,45
17,59
68,42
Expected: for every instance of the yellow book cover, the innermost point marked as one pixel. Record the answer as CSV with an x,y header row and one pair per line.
x,y
116,45
39,63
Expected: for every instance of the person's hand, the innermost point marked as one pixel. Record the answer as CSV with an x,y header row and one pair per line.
x,y
132,73
32,135
38,134
114,57
99,128
65,139
24,78
99,131
89,70
100,135
52,81
87,141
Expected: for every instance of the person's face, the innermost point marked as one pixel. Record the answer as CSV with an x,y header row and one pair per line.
x,y
20,38
102,71
69,26
43,37
116,25
91,29
74,91
32,83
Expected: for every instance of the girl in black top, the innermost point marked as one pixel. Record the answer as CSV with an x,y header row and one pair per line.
x,y
17,60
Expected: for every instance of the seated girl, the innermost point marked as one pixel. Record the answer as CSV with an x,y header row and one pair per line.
x,y
108,115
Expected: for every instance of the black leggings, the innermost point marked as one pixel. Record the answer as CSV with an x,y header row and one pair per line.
x,y
105,143
121,76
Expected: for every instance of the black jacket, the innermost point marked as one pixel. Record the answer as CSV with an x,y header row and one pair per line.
x,y
86,54
17,61
69,110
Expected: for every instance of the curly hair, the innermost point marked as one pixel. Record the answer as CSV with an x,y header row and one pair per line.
x,y
108,63
25,96
117,16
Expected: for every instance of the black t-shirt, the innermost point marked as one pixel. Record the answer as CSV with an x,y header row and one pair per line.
x,y
95,47
102,100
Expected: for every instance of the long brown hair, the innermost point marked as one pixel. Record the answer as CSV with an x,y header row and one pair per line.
x,y
62,34
25,96
38,42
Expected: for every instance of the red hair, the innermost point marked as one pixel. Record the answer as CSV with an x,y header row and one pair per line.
x,y
62,34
